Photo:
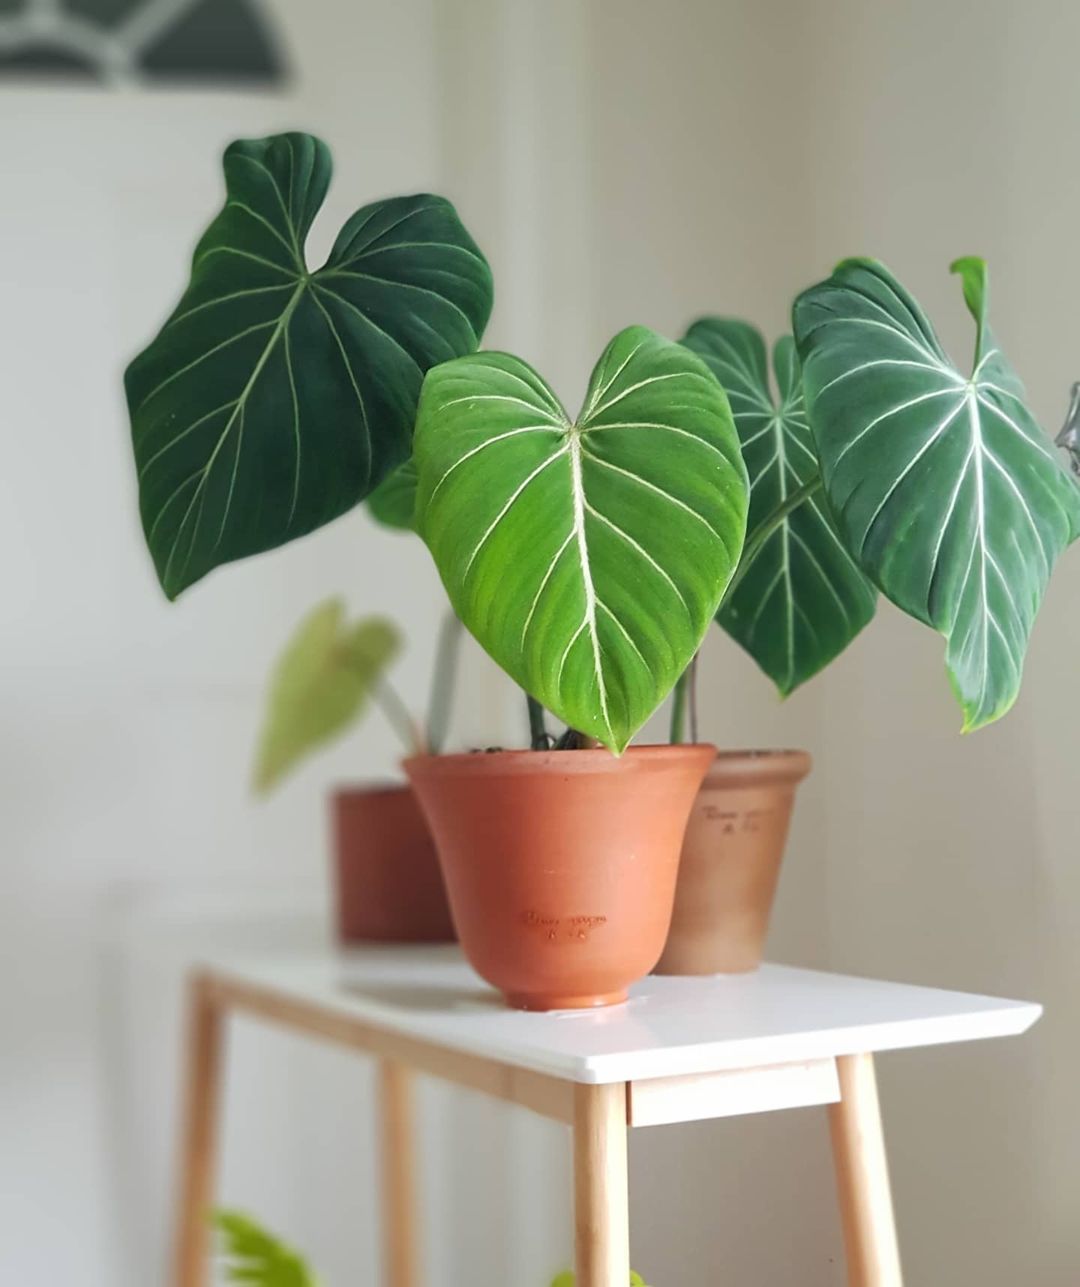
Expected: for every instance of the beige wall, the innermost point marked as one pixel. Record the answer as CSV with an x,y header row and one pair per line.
x,y
743,148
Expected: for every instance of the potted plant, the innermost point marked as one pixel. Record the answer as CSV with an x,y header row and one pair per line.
x,y
387,881
588,557
274,399
880,466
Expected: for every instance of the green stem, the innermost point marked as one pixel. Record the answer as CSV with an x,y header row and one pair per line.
x,y
756,541
399,717
691,688
678,708
443,681
539,739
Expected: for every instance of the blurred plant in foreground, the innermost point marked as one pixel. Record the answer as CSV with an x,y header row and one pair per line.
x,y
256,1257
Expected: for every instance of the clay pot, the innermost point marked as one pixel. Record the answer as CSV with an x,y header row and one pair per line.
x,y
731,862
389,887
561,865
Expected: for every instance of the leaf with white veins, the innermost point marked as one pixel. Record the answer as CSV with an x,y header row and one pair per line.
x,y
588,557
276,397
944,487
802,600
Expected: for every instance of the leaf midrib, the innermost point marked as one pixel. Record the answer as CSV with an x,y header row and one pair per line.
x,y
238,409
574,433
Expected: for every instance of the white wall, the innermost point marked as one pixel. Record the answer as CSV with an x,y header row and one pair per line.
x,y
619,161
749,146
127,722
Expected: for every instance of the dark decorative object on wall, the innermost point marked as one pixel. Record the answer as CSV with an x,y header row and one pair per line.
x,y
124,42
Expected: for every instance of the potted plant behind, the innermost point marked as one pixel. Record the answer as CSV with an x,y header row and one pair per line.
x,y
588,557
796,602
277,397
387,881
887,469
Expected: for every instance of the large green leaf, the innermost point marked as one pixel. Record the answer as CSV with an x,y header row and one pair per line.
x,y
256,1257
275,398
802,600
587,556
320,686
944,486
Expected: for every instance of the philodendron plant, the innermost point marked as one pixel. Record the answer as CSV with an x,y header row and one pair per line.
x,y
588,555
881,466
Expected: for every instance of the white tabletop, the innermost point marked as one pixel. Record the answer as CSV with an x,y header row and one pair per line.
x,y
669,1027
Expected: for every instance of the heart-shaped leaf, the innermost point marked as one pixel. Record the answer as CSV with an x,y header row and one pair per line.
x,y
943,485
802,600
320,686
588,556
275,398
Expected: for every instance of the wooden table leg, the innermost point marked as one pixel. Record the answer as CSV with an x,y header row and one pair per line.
x,y
198,1141
862,1177
601,1197
400,1233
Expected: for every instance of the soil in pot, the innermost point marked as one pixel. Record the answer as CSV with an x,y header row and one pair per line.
x,y
561,865
731,862
389,886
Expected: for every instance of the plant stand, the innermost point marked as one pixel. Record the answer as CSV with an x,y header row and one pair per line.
x,y
682,1049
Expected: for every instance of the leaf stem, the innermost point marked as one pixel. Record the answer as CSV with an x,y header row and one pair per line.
x,y
678,709
399,717
443,681
756,541
539,737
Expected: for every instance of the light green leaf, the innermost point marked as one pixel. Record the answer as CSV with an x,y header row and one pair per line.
x,y
256,1257
393,502
802,600
943,485
275,398
587,557
320,686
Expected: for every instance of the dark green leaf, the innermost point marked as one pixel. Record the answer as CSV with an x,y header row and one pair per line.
x,y
802,600
320,686
393,502
587,557
943,485
275,398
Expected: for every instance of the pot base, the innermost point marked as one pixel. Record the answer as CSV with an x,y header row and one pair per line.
x,y
547,1001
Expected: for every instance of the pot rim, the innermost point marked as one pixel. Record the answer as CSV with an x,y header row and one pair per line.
x,y
520,762
379,787
765,764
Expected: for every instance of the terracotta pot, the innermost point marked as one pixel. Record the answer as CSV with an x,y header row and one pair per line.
x,y
731,862
561,865
389,885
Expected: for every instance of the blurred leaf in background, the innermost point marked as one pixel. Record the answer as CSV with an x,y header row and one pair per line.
x,y
321,684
